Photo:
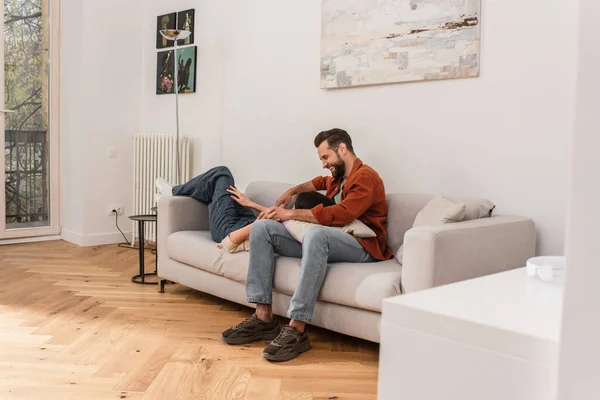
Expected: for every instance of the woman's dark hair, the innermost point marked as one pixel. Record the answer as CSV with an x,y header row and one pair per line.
x,y
308,200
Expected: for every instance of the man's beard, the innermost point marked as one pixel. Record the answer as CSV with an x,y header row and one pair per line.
x,y
339,170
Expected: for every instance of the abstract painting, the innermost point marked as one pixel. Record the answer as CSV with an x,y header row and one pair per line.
x,y
165,70
370,42
167,21
185,22
186,74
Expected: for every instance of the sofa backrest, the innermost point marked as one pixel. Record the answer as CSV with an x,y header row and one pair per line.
x,y
402,208
402,212
265,193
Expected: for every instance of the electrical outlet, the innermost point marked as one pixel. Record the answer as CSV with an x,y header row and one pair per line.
x,y
119,209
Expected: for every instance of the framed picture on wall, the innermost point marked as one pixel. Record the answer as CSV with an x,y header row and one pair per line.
x,y
165,72
185,22
167,21
186,74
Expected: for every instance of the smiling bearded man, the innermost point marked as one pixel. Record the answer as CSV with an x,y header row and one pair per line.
x,y
359,193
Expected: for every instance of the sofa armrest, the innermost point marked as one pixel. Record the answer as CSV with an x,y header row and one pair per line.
x,y
443,254
179,213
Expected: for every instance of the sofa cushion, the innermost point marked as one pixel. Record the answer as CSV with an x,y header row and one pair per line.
x,y
195,248
356,285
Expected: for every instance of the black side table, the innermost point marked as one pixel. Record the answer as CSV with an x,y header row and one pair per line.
x,y
142,219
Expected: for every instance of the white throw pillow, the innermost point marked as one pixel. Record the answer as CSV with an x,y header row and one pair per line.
x,y
438,211
298,228
479,208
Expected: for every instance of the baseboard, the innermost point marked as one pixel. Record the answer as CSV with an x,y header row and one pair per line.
x,y
72,236
96,239
30,240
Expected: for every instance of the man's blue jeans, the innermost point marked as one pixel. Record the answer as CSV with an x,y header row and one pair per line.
x,y
319,246
225,214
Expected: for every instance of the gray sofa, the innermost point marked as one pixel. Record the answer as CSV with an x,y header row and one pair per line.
x,y
351,297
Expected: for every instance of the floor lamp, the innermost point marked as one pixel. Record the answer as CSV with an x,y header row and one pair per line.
x,y
175,35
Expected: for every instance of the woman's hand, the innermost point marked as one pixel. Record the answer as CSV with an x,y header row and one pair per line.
x,y
240,197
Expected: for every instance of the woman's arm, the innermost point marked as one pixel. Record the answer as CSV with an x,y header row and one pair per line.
x,y
237,240
241,235
243,200
257,207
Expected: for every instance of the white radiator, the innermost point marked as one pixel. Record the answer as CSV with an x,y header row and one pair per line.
x,y
154,157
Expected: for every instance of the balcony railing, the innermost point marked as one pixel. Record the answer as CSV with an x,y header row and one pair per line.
x,y
26,167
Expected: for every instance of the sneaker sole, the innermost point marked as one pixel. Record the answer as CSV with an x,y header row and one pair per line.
x,y
269,335
289,356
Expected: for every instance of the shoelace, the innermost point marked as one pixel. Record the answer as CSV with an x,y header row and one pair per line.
x,y
286,334
246,322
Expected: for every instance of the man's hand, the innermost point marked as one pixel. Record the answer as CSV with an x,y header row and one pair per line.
x,y
284,200
276,214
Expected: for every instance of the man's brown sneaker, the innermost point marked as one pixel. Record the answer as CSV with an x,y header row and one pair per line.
x,y
250,330
289,344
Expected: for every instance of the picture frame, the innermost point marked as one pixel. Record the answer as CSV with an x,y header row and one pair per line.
x,y
165,72
185,21
166,21
186,74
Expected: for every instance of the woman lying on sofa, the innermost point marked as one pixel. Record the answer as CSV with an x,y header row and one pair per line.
x,y
240,240
230,211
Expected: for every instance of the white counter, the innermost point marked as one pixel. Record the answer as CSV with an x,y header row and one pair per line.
x,y
489,338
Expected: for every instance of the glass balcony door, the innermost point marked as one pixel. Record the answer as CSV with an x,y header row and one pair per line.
x,y
29,119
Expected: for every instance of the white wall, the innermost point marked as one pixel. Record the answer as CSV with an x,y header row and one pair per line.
x,y
101,89
580,348
503,136
72,147
199,113
108,95
258,105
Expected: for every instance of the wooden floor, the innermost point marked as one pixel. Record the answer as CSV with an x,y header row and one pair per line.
x,y
73,326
